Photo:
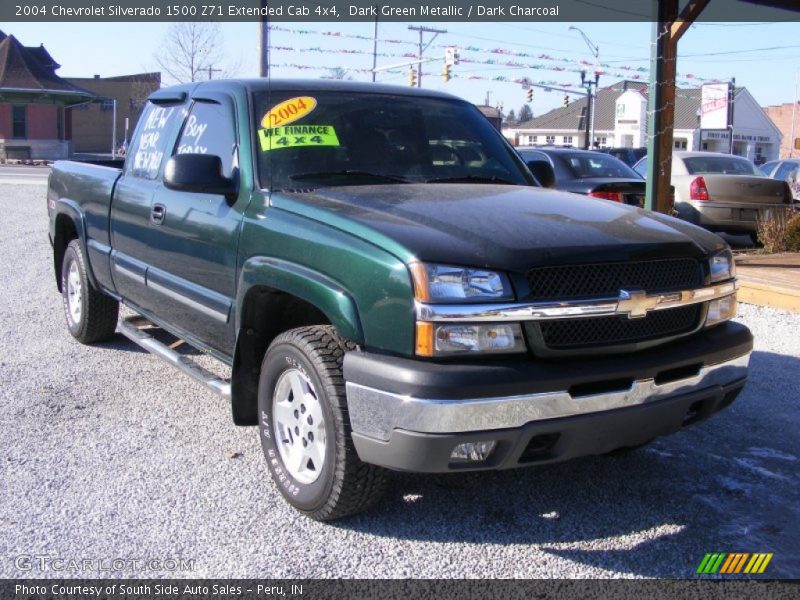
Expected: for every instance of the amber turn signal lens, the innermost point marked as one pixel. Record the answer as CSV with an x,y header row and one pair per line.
x,y
420,278
424,338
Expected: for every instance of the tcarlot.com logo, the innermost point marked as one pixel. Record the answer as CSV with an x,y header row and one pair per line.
x,y
732,563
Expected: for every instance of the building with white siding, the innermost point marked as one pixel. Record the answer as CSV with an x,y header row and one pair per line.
x,y
621,122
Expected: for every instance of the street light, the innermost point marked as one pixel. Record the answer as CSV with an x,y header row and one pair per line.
x,y
595,49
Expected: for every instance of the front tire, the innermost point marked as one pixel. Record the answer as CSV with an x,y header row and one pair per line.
x,y
305,429
91,315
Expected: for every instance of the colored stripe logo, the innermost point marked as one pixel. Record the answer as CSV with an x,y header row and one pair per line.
x,y
732,563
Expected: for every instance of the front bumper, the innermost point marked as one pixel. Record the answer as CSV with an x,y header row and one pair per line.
x,y
410,415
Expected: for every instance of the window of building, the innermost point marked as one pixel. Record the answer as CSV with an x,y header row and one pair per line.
x,y
19,121
600,141
550,139
532,139
680,144
107,104
568,139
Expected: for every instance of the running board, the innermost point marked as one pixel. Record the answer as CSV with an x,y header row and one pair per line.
x,y
130,327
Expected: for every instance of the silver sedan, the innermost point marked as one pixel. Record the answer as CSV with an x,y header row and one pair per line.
x,y
723,192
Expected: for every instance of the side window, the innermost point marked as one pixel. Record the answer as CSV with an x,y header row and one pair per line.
x,y
785,170
209,130
766,168
150,143
641,167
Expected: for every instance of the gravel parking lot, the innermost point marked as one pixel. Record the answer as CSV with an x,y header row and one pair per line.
x,y
107,453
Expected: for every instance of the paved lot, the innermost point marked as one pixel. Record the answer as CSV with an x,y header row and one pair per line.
x,y
106,453
22,175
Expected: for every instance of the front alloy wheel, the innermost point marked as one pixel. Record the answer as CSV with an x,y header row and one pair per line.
x,y
305,429
299,426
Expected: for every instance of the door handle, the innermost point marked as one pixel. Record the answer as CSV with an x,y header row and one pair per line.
x,y
157,214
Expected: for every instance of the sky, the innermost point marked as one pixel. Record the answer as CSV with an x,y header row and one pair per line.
x,y
762,56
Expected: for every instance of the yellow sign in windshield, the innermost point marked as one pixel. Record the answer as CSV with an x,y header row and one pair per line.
x,y
293,136
288,111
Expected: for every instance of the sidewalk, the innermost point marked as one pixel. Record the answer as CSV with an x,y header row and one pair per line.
x,y
770,280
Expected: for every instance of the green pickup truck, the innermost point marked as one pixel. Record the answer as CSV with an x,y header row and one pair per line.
x,y
389,288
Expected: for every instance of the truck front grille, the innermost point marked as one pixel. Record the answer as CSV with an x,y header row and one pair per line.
x,y
574,334
607,279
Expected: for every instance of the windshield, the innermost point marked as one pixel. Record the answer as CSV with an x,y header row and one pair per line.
x,y
728,165
584,165
323,139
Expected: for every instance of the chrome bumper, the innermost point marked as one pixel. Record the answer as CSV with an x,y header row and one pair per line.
x,y
376,413
630,303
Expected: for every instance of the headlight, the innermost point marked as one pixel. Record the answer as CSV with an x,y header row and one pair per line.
x,y
434,339
722,267
444,283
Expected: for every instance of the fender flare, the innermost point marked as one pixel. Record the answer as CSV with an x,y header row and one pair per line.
x,y
72,210
311,286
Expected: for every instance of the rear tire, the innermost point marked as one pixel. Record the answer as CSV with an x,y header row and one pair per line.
x,y
305,429
91,315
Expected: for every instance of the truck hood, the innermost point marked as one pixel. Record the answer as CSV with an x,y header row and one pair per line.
x,y
513,228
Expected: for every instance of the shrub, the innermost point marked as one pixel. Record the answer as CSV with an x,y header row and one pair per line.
x,y
793,234
772,230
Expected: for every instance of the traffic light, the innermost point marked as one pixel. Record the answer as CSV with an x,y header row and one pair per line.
x,y
566,101
412,77
529,95
446,73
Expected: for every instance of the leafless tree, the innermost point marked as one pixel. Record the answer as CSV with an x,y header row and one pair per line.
x,y
337,73
193,51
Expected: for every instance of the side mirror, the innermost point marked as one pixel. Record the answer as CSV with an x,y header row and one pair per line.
x,y
199,173
543,172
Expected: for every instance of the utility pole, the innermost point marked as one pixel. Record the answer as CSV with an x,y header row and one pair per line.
x,y
423,46
375,47
114,130
588,84
211,70
794,114
263,42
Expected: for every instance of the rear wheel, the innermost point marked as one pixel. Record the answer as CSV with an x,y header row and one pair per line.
x,y
305,428
91,315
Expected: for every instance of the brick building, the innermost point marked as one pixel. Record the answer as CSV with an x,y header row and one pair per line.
x,y
782,115
33,102
92,124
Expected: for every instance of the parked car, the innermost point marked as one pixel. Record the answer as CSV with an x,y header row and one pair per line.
x,y
386,287
722,192
787,170
630,156
586,172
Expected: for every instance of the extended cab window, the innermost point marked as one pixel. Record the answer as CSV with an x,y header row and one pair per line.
x,y
209,129
150,144
321,139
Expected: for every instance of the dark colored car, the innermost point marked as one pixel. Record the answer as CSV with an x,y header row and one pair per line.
x,y
630,156
586,172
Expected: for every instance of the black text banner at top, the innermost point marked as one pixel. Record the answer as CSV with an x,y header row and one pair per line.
x,y
330,11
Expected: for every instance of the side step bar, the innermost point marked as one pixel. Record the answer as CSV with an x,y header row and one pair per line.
x,y
130,327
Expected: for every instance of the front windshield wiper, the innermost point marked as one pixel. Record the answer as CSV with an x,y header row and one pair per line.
x,y
348,173
472,179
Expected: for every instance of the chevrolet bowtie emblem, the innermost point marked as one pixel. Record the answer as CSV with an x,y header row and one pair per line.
x,y
636,303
